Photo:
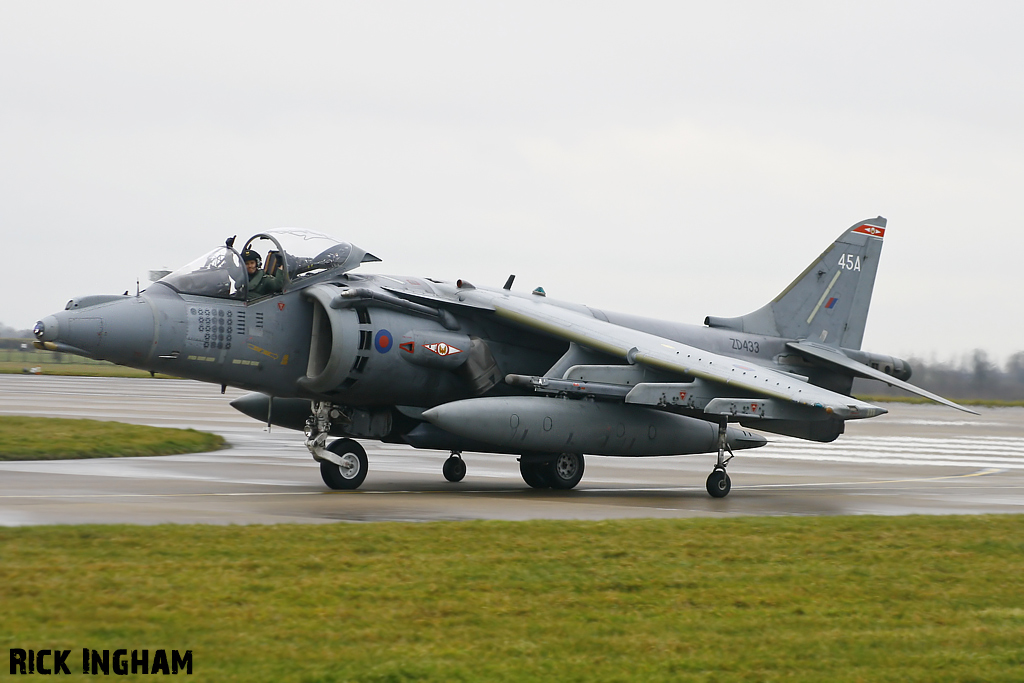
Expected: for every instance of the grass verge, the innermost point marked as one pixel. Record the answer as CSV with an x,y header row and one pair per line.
x,y
40,438
795,599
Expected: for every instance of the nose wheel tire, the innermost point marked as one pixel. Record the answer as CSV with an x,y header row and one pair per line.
x,y
719,484
454,469
352,470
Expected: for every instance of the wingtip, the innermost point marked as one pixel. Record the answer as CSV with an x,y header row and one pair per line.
x,y
966,410
953,404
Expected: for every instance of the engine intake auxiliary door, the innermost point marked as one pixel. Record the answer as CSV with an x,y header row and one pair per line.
x,y
333,343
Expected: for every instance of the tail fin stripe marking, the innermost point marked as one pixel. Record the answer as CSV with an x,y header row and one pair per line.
x,y
872,230
822,299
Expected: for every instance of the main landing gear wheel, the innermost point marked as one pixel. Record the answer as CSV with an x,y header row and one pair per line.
x,y
454,468
534,474
719,484
352,470
565,471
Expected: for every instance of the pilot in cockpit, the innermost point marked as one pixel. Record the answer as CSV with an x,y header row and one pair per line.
x,y
260,283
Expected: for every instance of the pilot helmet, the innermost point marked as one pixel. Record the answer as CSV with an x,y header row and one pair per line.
x,y
250,255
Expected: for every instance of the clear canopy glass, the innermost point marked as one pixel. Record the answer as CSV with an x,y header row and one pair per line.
x,y
308,253
303,254
220,273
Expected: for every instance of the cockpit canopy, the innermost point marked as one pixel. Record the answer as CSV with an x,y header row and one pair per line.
x,y
303,254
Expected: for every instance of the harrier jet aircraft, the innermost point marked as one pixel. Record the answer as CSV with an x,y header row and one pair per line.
x,y
449,366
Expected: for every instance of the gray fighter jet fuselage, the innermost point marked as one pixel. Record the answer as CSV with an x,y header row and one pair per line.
x,y
449,366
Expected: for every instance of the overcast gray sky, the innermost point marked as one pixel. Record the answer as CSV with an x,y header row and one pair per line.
x,y
668,158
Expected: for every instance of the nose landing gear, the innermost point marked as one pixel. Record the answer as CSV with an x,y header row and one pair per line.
x,y
343,463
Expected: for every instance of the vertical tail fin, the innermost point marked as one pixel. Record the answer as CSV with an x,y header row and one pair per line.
x,y
828,303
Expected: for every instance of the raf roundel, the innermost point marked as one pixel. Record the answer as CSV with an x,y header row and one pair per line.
x,y
383,341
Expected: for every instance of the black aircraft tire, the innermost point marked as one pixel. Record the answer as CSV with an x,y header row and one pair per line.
x,y
719,484
454,469
533,474
565,470
351,476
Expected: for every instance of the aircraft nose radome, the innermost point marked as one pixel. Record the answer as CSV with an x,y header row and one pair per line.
x,y
47,329
120,331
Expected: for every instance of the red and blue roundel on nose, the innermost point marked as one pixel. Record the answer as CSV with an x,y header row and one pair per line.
x,y
383,341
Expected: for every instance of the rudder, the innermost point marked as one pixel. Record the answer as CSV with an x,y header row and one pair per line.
x,y
828,302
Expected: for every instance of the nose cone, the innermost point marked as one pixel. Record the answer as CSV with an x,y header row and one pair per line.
x,y
47,329
121,331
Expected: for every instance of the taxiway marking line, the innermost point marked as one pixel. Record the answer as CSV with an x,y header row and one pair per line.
x,y
979,473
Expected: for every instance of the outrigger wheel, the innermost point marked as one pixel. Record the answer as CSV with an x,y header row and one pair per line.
x,y
352,470
719,483
454,468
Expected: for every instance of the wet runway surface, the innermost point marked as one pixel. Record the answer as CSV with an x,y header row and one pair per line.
x,y
918,459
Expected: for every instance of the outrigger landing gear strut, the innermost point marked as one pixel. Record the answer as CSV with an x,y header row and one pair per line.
x,y
718,483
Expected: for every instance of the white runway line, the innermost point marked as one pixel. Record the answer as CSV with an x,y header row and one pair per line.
x,y
978,451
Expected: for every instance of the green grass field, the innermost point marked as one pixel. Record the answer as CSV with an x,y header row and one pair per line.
x,y
39,438
749,599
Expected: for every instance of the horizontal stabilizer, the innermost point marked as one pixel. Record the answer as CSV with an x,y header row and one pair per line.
x,y
838,358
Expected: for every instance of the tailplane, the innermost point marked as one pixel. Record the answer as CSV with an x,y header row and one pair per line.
x,y
828,303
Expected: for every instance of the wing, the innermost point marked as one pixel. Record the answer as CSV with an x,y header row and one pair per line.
x,y
669,356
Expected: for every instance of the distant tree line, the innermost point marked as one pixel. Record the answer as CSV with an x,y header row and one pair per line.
x,y
7,332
